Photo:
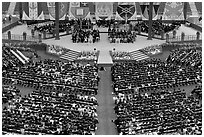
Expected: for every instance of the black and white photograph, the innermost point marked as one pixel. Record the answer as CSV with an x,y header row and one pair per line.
x,y
101,67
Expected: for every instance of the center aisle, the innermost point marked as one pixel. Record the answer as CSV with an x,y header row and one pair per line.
x,y
105,109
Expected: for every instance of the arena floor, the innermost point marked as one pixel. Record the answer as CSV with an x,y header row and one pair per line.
x,y
103,44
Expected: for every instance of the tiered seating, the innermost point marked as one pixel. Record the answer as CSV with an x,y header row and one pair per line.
x,y
63,103
153,74
44,112
70,55
138,55
186,56
54,75
158,113
145,101
157,27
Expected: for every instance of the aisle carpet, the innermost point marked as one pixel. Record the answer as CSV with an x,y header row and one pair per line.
x,y
105,109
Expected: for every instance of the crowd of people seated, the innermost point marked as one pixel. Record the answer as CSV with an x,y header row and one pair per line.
x,y
45,112
85,36
50,27
120,36
88,55
63,101
121,55
148,95
157,27
158,113
54,75
152,50
153,74
186,56
9,92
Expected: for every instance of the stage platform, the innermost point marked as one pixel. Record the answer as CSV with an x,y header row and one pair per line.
x,y
104,46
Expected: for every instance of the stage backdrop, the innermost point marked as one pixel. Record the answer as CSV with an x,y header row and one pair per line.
x,y
104,10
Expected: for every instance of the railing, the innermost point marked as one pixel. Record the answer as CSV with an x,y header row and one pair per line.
x,y
30,38
186,38
4,36
16,37
19,37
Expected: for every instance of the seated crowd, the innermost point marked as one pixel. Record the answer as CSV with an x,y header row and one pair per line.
x,y
153,74
63,101
85,36
157,27
187,56
158,113
146,105
44,112
120,36
182,67
54,74
50,27
121,55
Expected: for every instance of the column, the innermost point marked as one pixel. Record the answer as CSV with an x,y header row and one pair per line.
x,y
150,21
57,21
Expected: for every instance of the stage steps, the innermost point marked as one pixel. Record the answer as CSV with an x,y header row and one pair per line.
x,y
138,55
70,55
16,54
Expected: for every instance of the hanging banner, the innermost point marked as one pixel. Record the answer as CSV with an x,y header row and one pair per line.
x,y
79,10
145,10
63,8
103,9
33,10
126,9
173,11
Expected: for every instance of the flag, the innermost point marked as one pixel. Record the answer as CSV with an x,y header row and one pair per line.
x,y
103,10
63,8
32,11
173,11
126,9
79,10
